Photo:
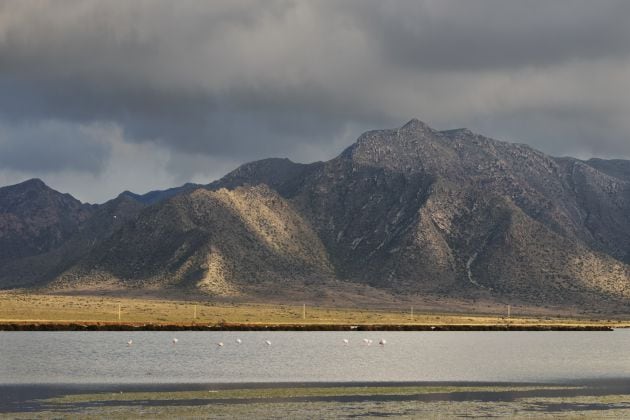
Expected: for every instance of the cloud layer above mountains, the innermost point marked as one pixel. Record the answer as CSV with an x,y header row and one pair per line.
x,y
101,96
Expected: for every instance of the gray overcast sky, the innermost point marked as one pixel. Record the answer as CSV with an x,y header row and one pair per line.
x,y
101,96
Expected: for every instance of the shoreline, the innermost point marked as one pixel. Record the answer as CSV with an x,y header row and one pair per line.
x,y
137,326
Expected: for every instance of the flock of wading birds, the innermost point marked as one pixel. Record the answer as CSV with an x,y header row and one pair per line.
x,y
346,342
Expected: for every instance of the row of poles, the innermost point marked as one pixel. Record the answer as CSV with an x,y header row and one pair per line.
x,y
303,312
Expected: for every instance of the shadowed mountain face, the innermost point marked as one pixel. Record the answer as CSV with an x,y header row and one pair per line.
x,y
87,230
616,168
411,211
35,218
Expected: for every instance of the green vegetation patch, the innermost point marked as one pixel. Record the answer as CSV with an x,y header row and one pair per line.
x,y
275,393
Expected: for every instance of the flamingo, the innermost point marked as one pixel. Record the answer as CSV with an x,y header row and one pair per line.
x,y
220,344
382,342
366,341
267,342
175,340
345,341
129,343
238,341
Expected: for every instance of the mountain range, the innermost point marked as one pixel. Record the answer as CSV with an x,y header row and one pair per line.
x,y
410,212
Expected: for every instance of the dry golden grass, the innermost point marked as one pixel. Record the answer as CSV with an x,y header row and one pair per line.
x,y
57,308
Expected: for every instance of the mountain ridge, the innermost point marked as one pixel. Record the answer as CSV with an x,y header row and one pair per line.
x,y
410,211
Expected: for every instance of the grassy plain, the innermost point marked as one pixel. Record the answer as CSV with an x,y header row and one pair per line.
x,y
33,307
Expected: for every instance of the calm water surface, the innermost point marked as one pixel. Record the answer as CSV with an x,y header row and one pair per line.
x,y
104,357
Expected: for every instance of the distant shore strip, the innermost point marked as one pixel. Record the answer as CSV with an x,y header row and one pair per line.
x,y
126,326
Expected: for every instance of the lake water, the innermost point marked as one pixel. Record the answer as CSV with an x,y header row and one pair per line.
x,y
105,357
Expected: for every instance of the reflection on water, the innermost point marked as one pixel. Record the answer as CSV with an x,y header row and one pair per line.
x,y
106,357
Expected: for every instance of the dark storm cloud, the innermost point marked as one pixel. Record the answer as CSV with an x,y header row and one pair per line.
x,y
51,146
188,76
191,84
494,34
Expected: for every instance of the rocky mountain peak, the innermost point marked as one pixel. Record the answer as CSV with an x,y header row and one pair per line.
x,y
31,194
415,126
33,183
412,148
